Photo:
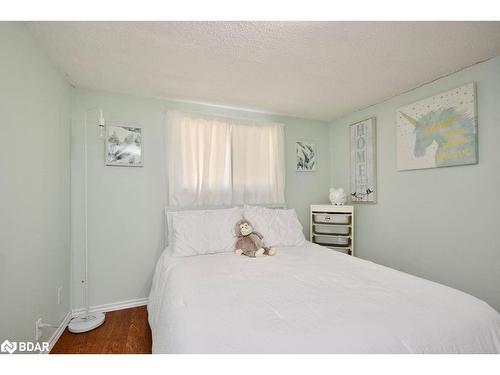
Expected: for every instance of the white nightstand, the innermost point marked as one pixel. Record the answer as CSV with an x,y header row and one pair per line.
x,y
333,227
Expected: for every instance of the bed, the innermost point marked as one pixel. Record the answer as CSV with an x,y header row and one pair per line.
x,y
308,299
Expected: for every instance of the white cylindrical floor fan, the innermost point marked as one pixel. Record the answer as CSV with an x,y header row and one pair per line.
x,y
88,321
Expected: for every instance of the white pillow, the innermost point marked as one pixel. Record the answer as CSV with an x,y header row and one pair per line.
x,y
204,232
278,227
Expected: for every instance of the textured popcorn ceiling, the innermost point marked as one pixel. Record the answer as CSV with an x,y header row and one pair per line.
x,y
318,70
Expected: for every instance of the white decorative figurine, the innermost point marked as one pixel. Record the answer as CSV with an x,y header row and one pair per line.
x,y
338,196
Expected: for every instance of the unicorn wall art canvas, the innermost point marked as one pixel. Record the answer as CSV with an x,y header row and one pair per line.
x,y
440,131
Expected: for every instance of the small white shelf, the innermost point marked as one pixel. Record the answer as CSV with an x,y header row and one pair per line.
x,y
333,227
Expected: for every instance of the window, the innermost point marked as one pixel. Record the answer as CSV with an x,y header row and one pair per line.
x,y
220,161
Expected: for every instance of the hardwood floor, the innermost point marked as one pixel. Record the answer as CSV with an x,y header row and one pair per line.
x,y
124,332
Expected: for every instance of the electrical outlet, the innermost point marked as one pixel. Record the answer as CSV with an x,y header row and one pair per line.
x,y
38,329
59,292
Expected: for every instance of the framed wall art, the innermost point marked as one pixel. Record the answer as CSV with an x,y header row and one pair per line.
x,y
306,156
440,131
124,146
363,161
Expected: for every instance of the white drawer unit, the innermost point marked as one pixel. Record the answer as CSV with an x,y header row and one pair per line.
x,y
333,227
331,240
331,218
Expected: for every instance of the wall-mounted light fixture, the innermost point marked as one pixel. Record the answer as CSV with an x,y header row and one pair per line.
x,y
102,124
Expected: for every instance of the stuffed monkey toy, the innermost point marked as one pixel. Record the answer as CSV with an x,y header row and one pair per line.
x,y
250,243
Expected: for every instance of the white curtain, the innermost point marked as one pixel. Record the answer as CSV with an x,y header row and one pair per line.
x,y
258,164
216,161
199,160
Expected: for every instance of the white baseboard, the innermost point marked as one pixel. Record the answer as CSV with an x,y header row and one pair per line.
x,y
59,331
99,308
113,306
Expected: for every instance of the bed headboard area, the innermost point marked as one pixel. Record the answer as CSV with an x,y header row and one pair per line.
x,y
196,208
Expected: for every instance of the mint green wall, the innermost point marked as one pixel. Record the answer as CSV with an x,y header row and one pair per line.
x,y
125,204
441,224
34,186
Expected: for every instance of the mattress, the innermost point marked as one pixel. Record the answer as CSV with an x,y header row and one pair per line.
x,y
310,299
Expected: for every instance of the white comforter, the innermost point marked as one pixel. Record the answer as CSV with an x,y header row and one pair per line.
x,y
310,300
